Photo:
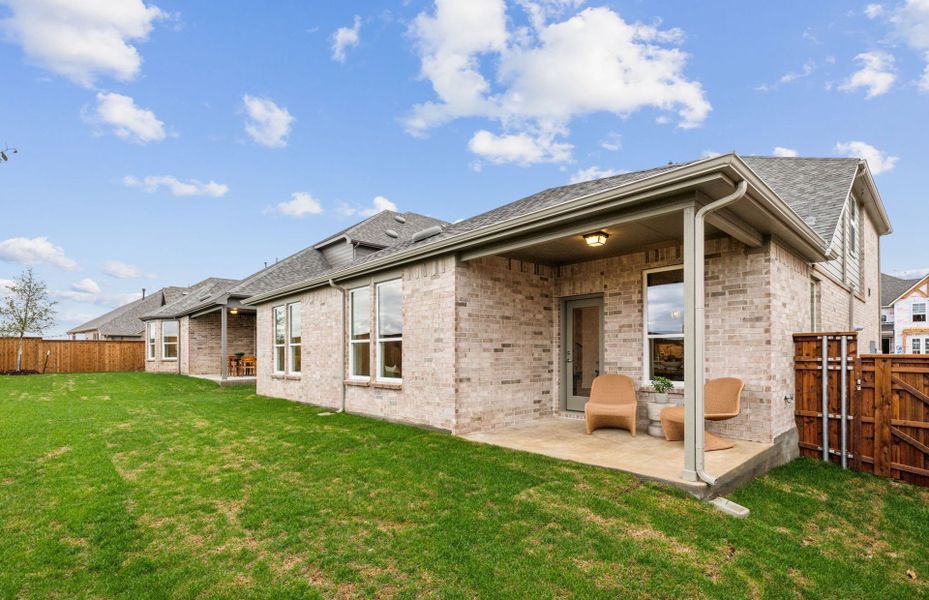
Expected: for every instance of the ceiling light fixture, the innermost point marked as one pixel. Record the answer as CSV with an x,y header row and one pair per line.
x,y
597,238
233,311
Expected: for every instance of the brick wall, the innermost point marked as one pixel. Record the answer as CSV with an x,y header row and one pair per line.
x,y
204,340
427,393
504,343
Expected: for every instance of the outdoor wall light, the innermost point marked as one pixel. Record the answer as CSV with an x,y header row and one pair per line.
x,y
597,238
233,311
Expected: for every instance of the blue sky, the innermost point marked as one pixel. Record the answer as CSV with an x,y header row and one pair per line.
x,y
165,142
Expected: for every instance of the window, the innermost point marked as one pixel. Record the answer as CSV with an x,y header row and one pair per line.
x,y
293,338
390,330
279,336
169,340
919,312
664,324
150,344
914,346
360,338
883,318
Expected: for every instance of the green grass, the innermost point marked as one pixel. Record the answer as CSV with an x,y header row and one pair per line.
x,y
135,485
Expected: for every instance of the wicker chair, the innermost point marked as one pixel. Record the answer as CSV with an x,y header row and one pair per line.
x,y
612,403
722,399
248,366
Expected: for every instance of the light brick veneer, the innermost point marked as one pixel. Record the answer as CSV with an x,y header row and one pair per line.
x,y
482,338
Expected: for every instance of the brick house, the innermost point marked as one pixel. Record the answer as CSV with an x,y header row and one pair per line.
x,y
196,332
507,317
904,328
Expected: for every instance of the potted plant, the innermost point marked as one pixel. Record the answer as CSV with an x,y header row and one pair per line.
x,y
662,385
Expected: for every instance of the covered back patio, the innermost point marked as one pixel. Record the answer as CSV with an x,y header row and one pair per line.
x,y
222,344
668,280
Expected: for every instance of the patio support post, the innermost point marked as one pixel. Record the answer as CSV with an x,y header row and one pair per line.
x,y
224,345
690,358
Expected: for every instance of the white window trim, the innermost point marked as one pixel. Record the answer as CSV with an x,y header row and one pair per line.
x,y
348,334
151,342
646,351
288,359
177,343
913,312
274,344
377,331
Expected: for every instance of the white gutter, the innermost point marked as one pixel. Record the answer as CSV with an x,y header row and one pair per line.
x,y
700,322
342,344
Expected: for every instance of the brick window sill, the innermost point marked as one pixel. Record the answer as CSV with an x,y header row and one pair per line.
x,y
388,386
357,382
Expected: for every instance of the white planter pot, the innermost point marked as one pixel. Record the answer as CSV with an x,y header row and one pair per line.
x,y
654,410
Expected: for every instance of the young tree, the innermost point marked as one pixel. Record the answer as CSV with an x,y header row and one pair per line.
x,y
26,309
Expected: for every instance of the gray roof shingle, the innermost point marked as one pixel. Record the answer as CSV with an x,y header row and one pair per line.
x,y
815,188
373,230
125,320
192,297
892,287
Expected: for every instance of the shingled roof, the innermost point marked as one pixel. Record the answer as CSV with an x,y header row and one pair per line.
x,y
815,188
893,287
126,320
373,230
191,298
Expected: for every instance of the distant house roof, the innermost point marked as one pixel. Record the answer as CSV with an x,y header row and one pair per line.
x,y
815,189
190,298
894,287
126,320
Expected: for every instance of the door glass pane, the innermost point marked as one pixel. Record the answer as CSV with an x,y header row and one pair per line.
x,y
585,348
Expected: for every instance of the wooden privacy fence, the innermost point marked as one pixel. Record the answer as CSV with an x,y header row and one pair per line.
x,y
886,399
73,356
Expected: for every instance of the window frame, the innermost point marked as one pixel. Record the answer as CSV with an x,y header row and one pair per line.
x,y
349,333
916,345
646,350
274,344
151,341
922,313
378,355
177,343
288,359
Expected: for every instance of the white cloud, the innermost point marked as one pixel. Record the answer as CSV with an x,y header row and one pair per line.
x,y
910,22
612,142
878,161
35,251
809,67
5,286
87,286
709,153
379,204
82,39
345,37
124,270
911,273
872,11
547,76
127,120
177,187
876,74
300,205
785,152
88,291
520,148
268,124
592,173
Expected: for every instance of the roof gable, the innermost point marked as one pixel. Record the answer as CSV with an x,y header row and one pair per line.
x,y
894,288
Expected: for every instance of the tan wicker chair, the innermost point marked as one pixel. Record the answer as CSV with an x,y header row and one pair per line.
x,y
722,399
612,403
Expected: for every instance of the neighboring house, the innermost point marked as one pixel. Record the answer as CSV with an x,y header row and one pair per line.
x,y
196,334
125,323
904,329
508,316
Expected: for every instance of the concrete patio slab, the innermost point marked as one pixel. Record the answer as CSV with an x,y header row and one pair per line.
x,y
645,456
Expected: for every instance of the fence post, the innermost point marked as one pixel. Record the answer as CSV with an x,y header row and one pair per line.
x,y
825,397
883,396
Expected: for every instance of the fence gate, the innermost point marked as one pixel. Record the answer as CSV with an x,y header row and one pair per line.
x,y
884,399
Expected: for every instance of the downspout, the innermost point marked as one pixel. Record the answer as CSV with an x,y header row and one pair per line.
x,y
341,344
700,320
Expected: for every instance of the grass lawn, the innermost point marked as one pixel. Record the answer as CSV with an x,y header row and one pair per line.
x,y
135,485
